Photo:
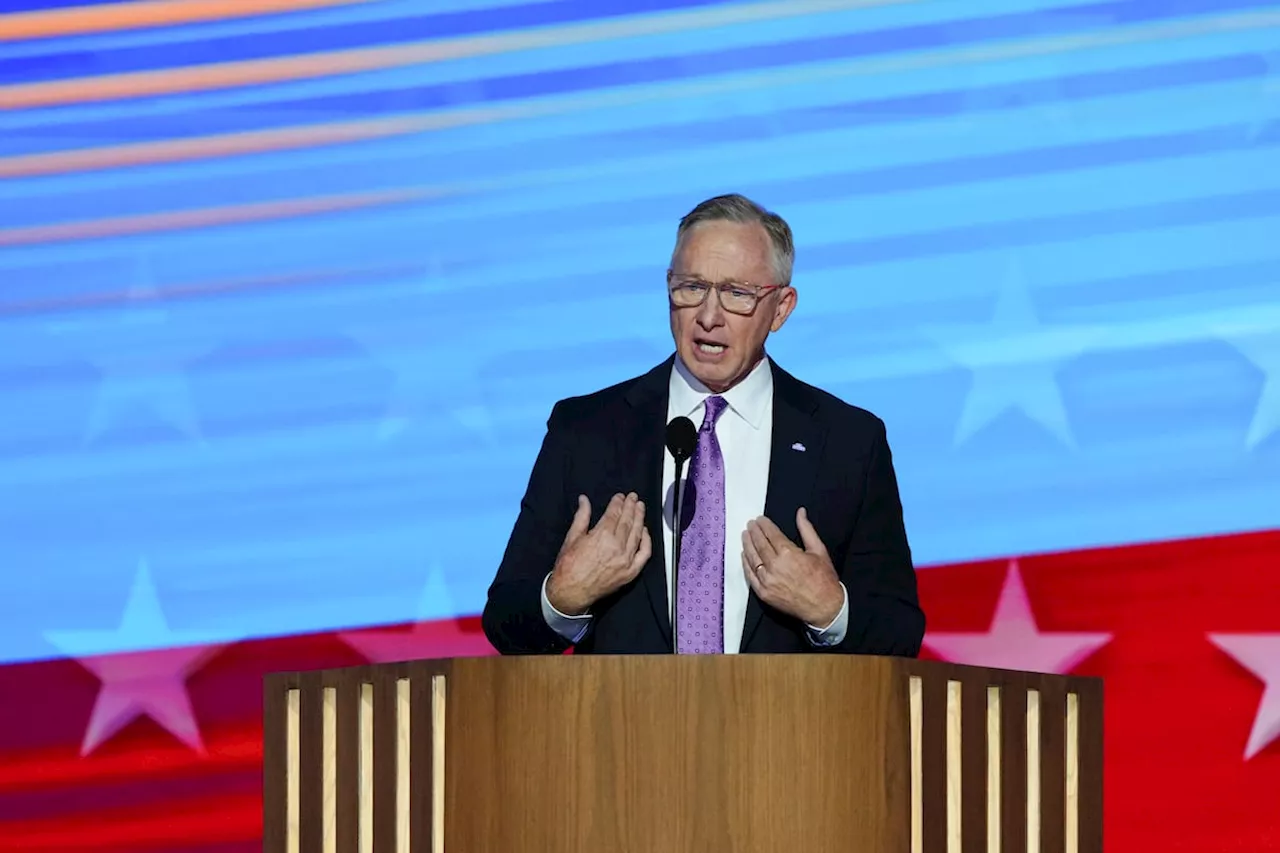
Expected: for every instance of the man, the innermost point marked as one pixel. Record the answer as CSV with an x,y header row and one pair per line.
x,y
794,538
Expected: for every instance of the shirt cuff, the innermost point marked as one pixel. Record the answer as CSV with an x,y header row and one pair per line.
x,y
572,628
833,634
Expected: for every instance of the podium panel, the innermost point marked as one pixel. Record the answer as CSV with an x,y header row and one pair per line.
x,y
642,753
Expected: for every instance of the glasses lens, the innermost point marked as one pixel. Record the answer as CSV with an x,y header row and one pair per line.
x,y
738,299
733,298
688,293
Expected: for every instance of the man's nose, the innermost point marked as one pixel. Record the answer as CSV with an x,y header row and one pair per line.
x,y
710,312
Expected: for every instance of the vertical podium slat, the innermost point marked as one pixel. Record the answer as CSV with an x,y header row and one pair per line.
x,y
915,715
365,793
310,767
1013,773
995,768
1091,776
973,758
1072,835
934,755
404,758
384,764
439,726
274,764
348,811
293,769
1053,766
329,782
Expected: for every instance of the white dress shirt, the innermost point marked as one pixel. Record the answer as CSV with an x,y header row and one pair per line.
x,y
745,433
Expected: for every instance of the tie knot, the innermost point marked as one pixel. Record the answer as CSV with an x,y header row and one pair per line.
x,y
715,408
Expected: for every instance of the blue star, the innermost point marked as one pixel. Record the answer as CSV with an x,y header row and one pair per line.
x,y
1014,362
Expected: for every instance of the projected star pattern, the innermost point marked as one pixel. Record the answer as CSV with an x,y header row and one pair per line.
x,y
277,355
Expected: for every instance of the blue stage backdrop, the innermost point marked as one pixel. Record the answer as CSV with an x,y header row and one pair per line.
x,y
285,300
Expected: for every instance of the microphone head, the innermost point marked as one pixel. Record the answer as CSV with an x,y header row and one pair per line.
x,y
682,437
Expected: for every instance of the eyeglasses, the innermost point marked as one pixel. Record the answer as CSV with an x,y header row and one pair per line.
x,y
735,297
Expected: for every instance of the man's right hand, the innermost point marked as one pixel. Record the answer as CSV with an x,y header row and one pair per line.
x,y
593,563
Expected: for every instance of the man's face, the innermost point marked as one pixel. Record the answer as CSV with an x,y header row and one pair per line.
x,y
720,347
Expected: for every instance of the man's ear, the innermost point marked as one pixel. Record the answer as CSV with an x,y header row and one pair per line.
x,y
786,304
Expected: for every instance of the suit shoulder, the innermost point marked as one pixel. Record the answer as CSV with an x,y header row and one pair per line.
x,y
842,415
585,408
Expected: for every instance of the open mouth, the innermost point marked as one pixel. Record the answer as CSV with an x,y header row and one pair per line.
x,y
709,348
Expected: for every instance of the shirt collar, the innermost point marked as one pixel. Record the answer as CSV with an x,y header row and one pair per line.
x,y
749,399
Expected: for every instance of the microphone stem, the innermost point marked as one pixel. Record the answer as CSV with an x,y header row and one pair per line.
x,y
677,535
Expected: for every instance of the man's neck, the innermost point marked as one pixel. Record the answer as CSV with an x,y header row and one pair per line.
x,y
699,385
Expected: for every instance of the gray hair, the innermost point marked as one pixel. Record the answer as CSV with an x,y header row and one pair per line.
x,y
739,208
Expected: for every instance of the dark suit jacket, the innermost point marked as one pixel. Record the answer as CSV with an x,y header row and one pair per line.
x,y
614,440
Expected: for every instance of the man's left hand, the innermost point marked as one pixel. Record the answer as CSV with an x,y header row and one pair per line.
x,y
799,582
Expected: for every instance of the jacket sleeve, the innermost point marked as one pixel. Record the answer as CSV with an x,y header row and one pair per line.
x,y
884,609
513,619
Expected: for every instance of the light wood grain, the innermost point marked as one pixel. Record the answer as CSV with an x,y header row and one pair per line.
x,y
993,770
366,767
1073,774
1033,771
438,722
675,754
404,731
329,771
916,688
955,743
293,773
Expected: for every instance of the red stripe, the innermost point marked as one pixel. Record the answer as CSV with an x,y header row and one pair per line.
x,y
149,757
159,823
124,793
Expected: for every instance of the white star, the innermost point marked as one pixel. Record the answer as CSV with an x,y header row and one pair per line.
x,y
437,633
1260,654
435,602
1269,93
1262,347
1037,95
1014,641
151,682
142,357
426,373
1014,361
425,379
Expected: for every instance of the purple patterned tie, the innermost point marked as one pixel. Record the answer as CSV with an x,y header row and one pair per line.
x,y
700,605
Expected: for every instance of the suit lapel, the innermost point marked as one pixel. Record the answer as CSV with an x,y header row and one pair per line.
x,y
794,455
645,445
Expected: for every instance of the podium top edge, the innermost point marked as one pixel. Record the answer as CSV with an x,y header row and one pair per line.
x,y
860,665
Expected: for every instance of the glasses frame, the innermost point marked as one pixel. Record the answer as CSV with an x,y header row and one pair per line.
x,y
758,292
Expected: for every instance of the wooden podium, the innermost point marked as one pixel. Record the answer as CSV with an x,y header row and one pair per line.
x,y
715,754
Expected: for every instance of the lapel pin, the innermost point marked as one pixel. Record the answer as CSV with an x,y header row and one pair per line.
x,y
798,446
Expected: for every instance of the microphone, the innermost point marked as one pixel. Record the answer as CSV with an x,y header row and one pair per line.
x,y
682,438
